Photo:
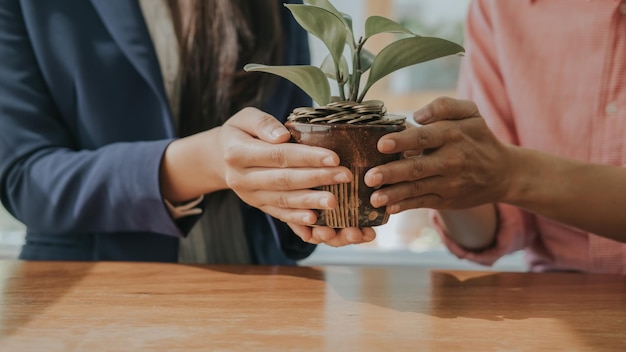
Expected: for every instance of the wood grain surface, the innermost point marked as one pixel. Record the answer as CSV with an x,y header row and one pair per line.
x,y
103,306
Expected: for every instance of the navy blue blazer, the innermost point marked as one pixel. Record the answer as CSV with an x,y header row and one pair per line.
x,y
84,121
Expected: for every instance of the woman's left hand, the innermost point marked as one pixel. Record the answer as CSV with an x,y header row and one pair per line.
x,y
334,237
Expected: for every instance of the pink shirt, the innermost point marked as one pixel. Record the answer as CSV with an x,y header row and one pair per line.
x,y
550,75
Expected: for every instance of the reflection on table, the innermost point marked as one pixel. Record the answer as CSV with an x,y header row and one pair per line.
x,y
65,306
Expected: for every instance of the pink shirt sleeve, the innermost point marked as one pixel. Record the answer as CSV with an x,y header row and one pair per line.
x,y
481,82
511,236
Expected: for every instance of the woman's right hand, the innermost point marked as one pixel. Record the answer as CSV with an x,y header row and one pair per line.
x,y
273,175
251,155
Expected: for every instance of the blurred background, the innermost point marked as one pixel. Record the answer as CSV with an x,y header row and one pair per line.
x,y
408,238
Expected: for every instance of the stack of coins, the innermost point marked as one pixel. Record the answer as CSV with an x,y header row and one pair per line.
x,y
372,112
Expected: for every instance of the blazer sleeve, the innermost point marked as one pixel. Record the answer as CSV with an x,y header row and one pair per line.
x,y
46,181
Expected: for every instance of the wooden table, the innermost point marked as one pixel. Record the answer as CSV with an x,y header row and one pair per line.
x,y
62,306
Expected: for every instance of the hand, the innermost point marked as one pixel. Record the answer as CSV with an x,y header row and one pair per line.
x,y
452,162
334,237
275,176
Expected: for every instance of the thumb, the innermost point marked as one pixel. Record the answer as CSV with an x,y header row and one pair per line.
x,y
445,108
260,125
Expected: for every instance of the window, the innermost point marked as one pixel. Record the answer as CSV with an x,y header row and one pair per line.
x,y
11,235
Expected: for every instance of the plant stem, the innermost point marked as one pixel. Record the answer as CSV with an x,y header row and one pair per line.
x,y
341,82
362,96
356,63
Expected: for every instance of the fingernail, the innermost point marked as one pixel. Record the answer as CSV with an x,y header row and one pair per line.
x,y
393,209
382,199
342,178
329,161
324,203
387,145
279,132
419,116
308,219
377,179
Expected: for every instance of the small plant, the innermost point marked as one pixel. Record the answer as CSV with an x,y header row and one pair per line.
x,y
347,124
334,29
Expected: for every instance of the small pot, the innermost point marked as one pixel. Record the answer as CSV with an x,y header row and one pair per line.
x,y
356,147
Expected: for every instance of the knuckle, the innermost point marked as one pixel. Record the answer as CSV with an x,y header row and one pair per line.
x,y
471,106
441,106
455,135
415,188
321,178
278,156
282,201
232,154
423,140
433,201
459,159
453,162
282,180
417,168
263,120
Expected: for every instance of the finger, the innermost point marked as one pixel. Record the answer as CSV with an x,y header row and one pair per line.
x,y
368,234
322,234
445,108
418,139
290,179
409,169
303,217
356,235
431,201
351,235
260,125
300,199
302,231
406,190
259,153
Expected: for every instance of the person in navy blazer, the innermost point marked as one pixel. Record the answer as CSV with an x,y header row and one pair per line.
x,y
85,127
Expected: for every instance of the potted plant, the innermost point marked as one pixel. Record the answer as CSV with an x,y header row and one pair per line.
x,y
347,123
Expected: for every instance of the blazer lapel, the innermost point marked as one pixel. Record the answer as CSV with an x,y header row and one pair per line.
x,y
124,21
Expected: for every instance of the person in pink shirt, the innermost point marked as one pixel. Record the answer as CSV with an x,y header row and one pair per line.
x,y
535,158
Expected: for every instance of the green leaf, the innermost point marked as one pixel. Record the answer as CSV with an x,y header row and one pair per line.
x,y
309,78
350,34
348,20
378,24
367,58
325,4
408,52
324,24
329,68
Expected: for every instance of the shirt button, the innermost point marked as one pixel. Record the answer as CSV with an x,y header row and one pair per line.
x,y
622,8
611,108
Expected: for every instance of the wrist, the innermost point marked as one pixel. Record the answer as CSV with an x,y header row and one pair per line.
x,y
517,175
473,229
188,169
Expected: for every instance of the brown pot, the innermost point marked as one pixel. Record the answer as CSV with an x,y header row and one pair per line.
x,y
356,147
